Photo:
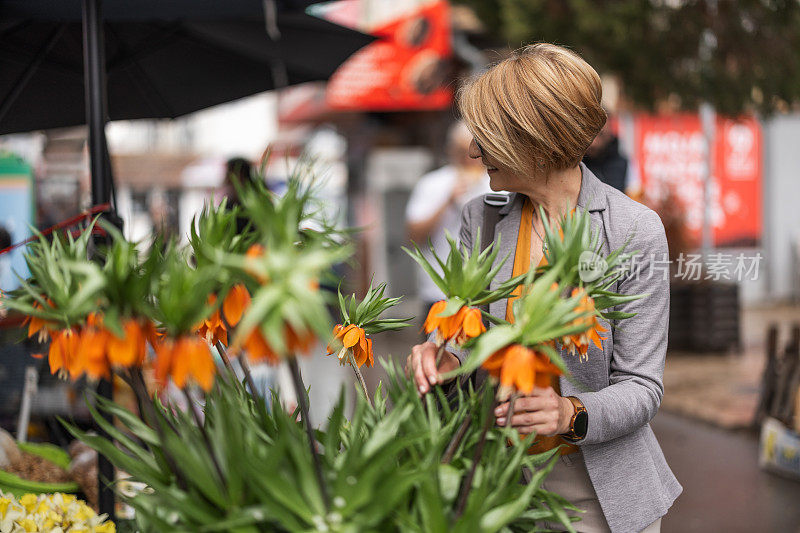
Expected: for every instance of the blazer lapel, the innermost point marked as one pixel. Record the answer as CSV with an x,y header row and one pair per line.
x,y
591,197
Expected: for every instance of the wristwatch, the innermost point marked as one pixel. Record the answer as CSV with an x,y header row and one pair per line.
x,y
579,424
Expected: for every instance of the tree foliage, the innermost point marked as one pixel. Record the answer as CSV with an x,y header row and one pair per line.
x,y
739,55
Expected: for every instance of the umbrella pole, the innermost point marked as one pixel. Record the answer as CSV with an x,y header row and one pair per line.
x,y
96,113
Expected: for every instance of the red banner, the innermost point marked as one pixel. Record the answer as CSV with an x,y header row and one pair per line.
x,y
670,151
406,69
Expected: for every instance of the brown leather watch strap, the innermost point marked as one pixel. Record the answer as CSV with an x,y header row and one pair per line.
x,y
579,408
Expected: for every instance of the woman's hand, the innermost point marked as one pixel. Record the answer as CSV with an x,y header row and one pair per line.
x,y
542,411
421,364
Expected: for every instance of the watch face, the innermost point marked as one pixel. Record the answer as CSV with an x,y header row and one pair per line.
x,y
581,424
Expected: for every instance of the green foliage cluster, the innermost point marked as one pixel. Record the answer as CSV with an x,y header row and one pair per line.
x,y
366,314
739,55
464,275
383,466
570,245
56,291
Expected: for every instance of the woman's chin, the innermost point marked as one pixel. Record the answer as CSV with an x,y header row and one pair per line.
x,y
495,184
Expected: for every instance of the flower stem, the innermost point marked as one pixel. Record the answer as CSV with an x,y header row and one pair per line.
x,y
466,486
359,376
510,413
300,391
450,451
204,432
223,353
247,374
440,353
140,389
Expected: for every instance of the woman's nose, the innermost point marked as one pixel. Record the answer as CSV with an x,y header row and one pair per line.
x,y
474,152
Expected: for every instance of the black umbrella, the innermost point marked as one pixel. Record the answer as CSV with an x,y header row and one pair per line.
x,y
165,58
61,61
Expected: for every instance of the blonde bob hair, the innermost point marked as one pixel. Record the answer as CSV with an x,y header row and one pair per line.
x,y
536,111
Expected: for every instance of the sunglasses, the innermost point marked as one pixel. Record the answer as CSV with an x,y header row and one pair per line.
x,y
480,148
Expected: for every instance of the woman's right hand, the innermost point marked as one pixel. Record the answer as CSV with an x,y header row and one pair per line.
x,y
421,365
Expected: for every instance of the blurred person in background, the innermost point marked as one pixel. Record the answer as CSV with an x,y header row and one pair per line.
x,y
436,202
605,160
238,172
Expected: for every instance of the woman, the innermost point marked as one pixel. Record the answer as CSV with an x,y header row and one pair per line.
x,y
533,117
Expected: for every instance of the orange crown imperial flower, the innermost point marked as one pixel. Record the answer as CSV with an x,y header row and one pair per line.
x,y
458,327
38,325
580,342
258,349
212,328
235,303
520,368
99,349
353,338
185,358
62,355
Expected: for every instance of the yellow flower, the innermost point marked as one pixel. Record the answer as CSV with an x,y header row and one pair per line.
x,y
28,524
107,527
4,503
29,501
84,513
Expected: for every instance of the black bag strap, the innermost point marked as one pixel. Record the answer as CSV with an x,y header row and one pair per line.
x,y
492,203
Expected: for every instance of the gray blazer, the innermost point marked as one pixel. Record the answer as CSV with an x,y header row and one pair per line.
x,y
625,379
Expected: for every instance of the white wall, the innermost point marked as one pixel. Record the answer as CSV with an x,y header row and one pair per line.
x,y
240,128
781,209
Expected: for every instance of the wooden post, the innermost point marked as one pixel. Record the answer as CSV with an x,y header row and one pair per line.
x,y
792,377
768,377
785,369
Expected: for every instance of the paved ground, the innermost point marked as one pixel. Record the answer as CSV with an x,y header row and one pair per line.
x,y
724,490
723,389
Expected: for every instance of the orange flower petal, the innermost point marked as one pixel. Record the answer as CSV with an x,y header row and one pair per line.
x,y
370,356
337,333
164,355
473,325
235,303
129,350
298,342
35,325
192,359
518,369
352,336
55,355
432,321
91,357
258,349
